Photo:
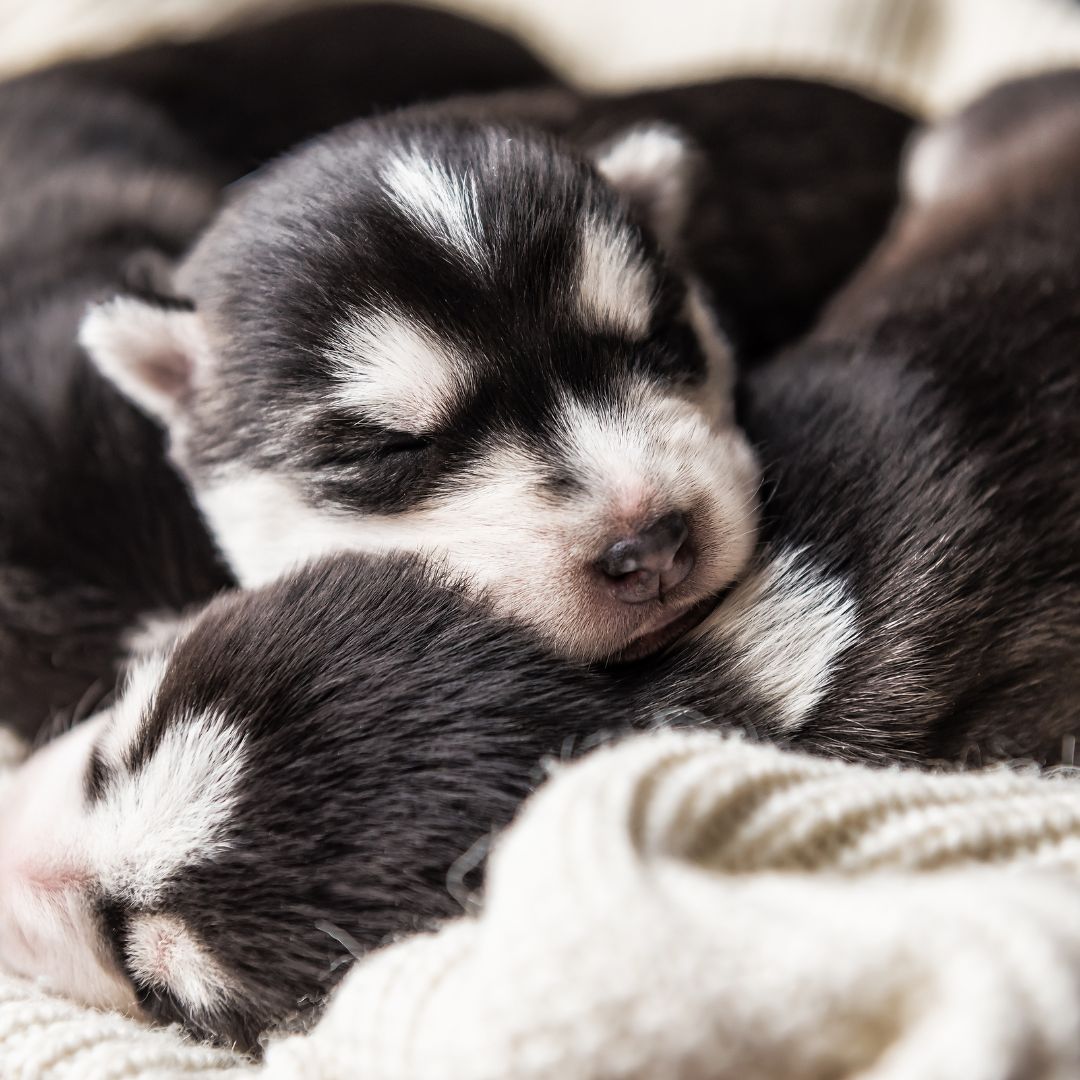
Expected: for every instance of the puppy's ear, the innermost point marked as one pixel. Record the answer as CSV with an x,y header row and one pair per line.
x,y
153,351
652,166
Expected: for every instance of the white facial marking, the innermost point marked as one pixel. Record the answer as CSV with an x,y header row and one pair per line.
x,y
391,370
47,930
649,165
60,851
152,355
615,285
645,453
163,952
716,396
442,204
168,814
787,623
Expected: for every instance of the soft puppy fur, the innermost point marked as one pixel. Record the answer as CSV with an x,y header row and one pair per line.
x,y
297,775
292,781
446,331
110,169
917,592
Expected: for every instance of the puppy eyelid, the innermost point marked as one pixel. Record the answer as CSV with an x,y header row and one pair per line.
x,y
400,442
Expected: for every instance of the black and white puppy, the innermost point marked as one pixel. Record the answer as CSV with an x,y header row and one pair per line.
x,y
292,779
110,169
290,782
918,588
447,331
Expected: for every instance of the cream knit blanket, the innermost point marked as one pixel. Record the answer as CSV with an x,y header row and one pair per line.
x,y
696,906
689,906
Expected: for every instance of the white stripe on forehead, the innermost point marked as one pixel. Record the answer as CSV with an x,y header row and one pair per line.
x,y
168,814
392,371
615,284
440,203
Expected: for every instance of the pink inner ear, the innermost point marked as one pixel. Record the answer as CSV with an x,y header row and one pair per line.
x,y
169,372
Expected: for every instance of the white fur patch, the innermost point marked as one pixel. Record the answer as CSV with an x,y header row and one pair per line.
x,y
716,396
392,371
170,813
615,285
788,623
442,204
162,952
644,453
152,355
649,166
47,930
58,852
931,169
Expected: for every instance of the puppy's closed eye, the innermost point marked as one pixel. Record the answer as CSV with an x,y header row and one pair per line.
x,y
403,442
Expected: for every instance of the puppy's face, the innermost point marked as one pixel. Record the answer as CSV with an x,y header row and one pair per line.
x,y
284,786
459,340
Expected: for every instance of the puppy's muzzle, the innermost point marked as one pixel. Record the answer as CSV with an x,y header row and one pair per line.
x,y
650,563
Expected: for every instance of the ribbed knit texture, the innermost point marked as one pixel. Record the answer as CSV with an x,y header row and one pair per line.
x,y
696,906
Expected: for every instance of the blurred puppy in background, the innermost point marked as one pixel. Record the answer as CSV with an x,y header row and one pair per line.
x,y
110,169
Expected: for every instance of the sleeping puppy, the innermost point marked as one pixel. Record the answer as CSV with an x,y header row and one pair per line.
x,y
99,191
918,588
290,783
448,332
292,780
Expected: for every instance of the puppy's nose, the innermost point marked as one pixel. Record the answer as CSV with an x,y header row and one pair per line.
x,y
651,562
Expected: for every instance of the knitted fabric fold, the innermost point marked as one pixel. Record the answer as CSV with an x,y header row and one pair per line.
x,y
697,906
692,905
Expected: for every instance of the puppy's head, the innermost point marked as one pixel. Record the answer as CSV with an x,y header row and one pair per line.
x,y
466,341
289,784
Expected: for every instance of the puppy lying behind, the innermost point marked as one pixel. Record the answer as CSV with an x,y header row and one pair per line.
x,y
918,589
99,191
290,783
445,331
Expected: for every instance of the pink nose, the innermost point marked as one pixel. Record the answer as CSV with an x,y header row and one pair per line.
x,y
649,563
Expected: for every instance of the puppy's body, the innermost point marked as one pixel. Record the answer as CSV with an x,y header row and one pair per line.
x,y
110,169
918,592
292,781
447,331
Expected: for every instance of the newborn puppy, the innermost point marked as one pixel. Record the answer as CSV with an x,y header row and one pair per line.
x,y
100,192
446,331
290,783
918,589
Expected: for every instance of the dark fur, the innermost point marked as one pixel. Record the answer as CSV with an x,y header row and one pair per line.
x,y
923,444
798,181
795,183
389,724
110,168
